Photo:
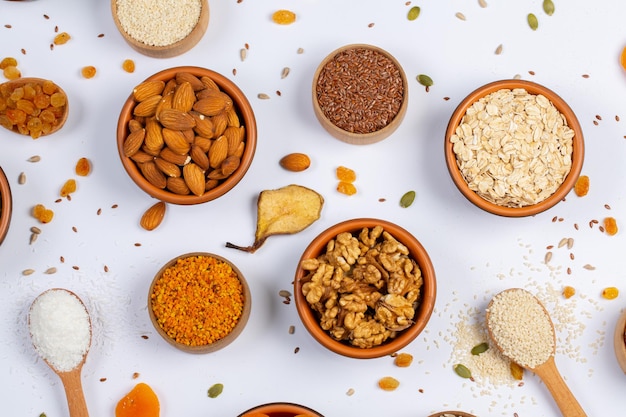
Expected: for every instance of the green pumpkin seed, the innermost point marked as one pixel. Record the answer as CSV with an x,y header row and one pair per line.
x,y
462,371
215,390
413,13
548,7
480,348
407,199
532,21
425,80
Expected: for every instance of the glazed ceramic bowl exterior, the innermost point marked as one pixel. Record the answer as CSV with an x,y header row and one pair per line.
x,y
167,51
426,302
221,343
351,137
280,410
577,153
246,116
619,341
6,206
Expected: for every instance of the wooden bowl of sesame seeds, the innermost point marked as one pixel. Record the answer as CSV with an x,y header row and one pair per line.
x,y
619,341
199,302
360,94
6,205
167,29
514,148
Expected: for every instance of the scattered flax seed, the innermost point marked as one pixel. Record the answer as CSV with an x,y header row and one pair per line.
x,y
50,271
74,229
102,379
263,96
114,206
571,256
554,219
34,158
606,206
278,93
576,226
561,219
585,75
589,267
8,26
569,271
460,16
446,98
598,117
350,392
300,51
23,51
531,72
601,228
51,46
144,336
371,25
137,244
106,268
75,267
56,29
21,179
616,118
45,16
595,122
234,71
421,390
594,221
246,45
99,212
101,35
550,247
296,350
62,259
292,329
58,200
28,271
135,375
499,49
284,73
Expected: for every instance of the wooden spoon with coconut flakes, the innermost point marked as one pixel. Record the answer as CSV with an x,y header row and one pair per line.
x,y
521,328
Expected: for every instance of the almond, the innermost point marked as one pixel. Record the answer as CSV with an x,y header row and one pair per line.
x,y
235,137
184,97
295,162
176,119
148,89
204,125
220,123
173,157
153,217
165,103
152,174
211,184
194,178
203,143
213,104
230,164
177,185
133,142
170,87
147,107
233,117
154,137
150,151
141,156
194,81
199,157
170,169
134,124
218,151
175,140
209,83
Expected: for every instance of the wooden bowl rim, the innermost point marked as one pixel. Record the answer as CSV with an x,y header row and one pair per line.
x,y
226,340
428,291
6,205
360,138
245,111
281,409
578,148
619,344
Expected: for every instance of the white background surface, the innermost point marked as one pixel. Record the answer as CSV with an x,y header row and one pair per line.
x,y
475,254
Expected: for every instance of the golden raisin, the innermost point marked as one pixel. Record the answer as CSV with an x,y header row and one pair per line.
x,y
345,174
49,87
610,226
41,100
8,62
58,100
622,58
41,213
346,188
284,17
403,360
128,65
568,291
11,73
610,293
141,401
83,167
88,72
68,188
517,372
581,187
388,383
62,38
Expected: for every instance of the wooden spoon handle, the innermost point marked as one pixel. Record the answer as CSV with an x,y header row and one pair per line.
x,y
562,395
74,393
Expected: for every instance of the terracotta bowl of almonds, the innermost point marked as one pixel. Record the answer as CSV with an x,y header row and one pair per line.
x,y
186,135
280,410
6,205
360,94
514,148
199,302
349,300
166,29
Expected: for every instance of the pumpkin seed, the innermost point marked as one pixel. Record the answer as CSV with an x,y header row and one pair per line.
x,y
425,80
407,199
548,7
414,13
532,21
462,371
480,348
215,390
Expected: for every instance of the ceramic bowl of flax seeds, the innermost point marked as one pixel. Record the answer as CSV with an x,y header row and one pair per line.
x,y
360,94
6,205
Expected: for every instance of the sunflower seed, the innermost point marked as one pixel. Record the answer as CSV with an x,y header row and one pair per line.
x,y
285,72
482,3
21,179
460,15
499,49
35,230
263,96
28,271
242,54
34,158
51,270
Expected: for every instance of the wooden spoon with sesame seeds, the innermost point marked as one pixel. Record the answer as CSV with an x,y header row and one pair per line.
x,y
521,328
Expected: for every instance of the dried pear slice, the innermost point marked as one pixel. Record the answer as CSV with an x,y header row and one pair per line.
x,y
284,211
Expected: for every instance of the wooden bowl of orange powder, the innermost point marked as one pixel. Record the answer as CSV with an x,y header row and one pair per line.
x,y
199,302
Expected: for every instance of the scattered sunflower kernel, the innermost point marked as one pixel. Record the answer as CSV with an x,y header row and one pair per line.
x,y
284,17
568,291
41,213
88,72
68,188
610,226
388,383
610,293
128,65
581,187
403,360
62,38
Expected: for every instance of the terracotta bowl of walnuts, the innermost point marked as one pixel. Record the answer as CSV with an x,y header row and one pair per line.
x,y
280,410
186,135
360,94
199,302
514,148
6,205
348,299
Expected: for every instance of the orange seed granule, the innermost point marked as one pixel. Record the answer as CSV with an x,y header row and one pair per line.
x,y
610,226
568,291
581,187
62,38
198,300
388,383
83,167
403,360
283,17
88,71
610,293
141,401
41,213
128,65
68,188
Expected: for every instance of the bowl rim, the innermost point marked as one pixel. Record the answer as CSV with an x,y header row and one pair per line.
x,y
578,148
226,340
245,111
171,50
455,412
619,344
428,291
276,409
6,205
360,138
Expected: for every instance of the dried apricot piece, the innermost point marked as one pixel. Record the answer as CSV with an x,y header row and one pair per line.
x,y
128,65
83,167
581,187
68,188
41,213
62,38
568,291
88,71
610,226
403,360
610,293
388,383
284,17
141,401
346,188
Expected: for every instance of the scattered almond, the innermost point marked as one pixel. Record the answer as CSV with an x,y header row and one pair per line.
x,y
153,217
295,162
